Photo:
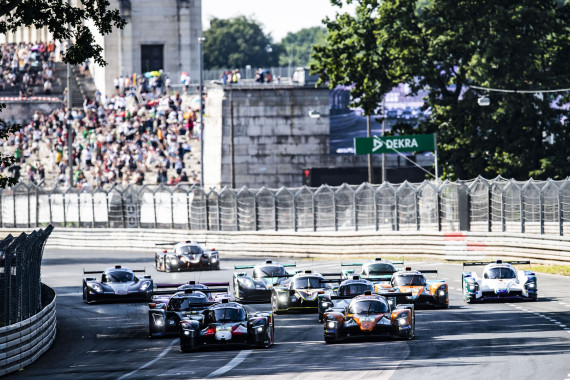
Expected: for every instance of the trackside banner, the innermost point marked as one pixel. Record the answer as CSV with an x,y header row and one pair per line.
x,y
394,144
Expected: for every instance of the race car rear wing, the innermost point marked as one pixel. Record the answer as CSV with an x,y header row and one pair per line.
x,y
474,263
176,242
193,283
173,291
266,262
387,294
401,262
117,267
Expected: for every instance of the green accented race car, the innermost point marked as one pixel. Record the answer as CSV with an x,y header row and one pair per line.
x,y
257,286
301,293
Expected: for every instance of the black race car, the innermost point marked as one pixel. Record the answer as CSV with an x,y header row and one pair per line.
x,y
117,284
257,287
224,324
301,293
370,315
169,307
186,256
377,270
348,288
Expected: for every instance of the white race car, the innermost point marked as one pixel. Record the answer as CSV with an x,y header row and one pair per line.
x,y
500,280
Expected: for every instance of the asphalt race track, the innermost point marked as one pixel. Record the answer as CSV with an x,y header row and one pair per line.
x,y
522,340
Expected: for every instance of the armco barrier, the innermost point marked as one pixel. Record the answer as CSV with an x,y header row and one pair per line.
x,y
23,342
445,245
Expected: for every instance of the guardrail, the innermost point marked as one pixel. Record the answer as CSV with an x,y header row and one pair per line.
x,y
443,245
23,342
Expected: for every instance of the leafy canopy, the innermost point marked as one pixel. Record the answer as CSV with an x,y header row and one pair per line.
x,y
445,46
238,42
298,46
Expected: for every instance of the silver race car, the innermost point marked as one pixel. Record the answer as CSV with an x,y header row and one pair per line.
x,y
500,280
117,284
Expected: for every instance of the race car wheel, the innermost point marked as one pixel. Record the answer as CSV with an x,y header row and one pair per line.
x,y
413,331
321,318
86,298
157,263
269,337
274,305
329,340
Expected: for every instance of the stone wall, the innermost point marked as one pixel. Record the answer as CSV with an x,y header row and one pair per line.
x,y
274,136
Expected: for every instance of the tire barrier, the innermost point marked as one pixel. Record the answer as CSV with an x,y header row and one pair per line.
x,y
443,245
23,342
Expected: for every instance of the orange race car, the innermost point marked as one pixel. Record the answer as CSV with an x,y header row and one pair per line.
x,y
370,315
424,292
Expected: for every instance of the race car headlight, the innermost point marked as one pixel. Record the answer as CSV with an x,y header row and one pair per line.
x,y
186,332
472,287
331,324
258,329
402,321
531,285
283,297
158,320
246,283
214,258
174,261
442,293
145,285
98,288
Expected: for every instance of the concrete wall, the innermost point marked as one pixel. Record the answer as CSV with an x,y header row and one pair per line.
x,y
20,111
274,137
175,24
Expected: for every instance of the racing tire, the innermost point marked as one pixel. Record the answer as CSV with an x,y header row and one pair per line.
x,y
86,298
270,335
444,306
412,333
274,305
321,318
186,349
330,340
157,264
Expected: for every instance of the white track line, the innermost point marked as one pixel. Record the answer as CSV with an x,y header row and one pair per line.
x,y
164,352
234,362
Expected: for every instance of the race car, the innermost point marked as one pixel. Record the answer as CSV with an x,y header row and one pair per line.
x,y
424,292
370,315
168,307
376,270
353,287
500,280
186,256
257,287
301,293
117,284
224,324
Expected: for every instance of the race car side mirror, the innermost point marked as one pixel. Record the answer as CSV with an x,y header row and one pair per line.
x,y
291,292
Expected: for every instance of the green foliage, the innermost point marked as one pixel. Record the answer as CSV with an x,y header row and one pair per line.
x,y
63,21
446,45
238,42
298,46
354,56
56,15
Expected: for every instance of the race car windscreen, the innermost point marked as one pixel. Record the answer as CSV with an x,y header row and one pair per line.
x,y
354,289
118,276
307,283
378,269
226,314
410,280
186,303
368,307
269,271
192,249
497,273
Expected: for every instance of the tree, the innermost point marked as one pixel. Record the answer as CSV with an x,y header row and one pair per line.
x,y
353,56
298,46
449,46
238,42
56,15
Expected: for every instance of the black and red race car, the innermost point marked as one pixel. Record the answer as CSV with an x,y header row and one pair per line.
x,y
227,323
186,256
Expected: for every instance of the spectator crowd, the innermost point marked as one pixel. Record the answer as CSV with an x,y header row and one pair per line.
x,y
138,135
28,68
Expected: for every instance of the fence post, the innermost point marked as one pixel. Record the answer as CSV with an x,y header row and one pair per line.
x,y
355,211
255,213
29,210
376,216
64,210
541,211
154,208
236,210
560,213
438,209
275,215
335,213
521,196
417,209
503,221
295,213
93,210
489,209
396,212
172,209
314,213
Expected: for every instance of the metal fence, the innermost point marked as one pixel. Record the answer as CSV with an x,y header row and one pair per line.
x,y
20,286
498,205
